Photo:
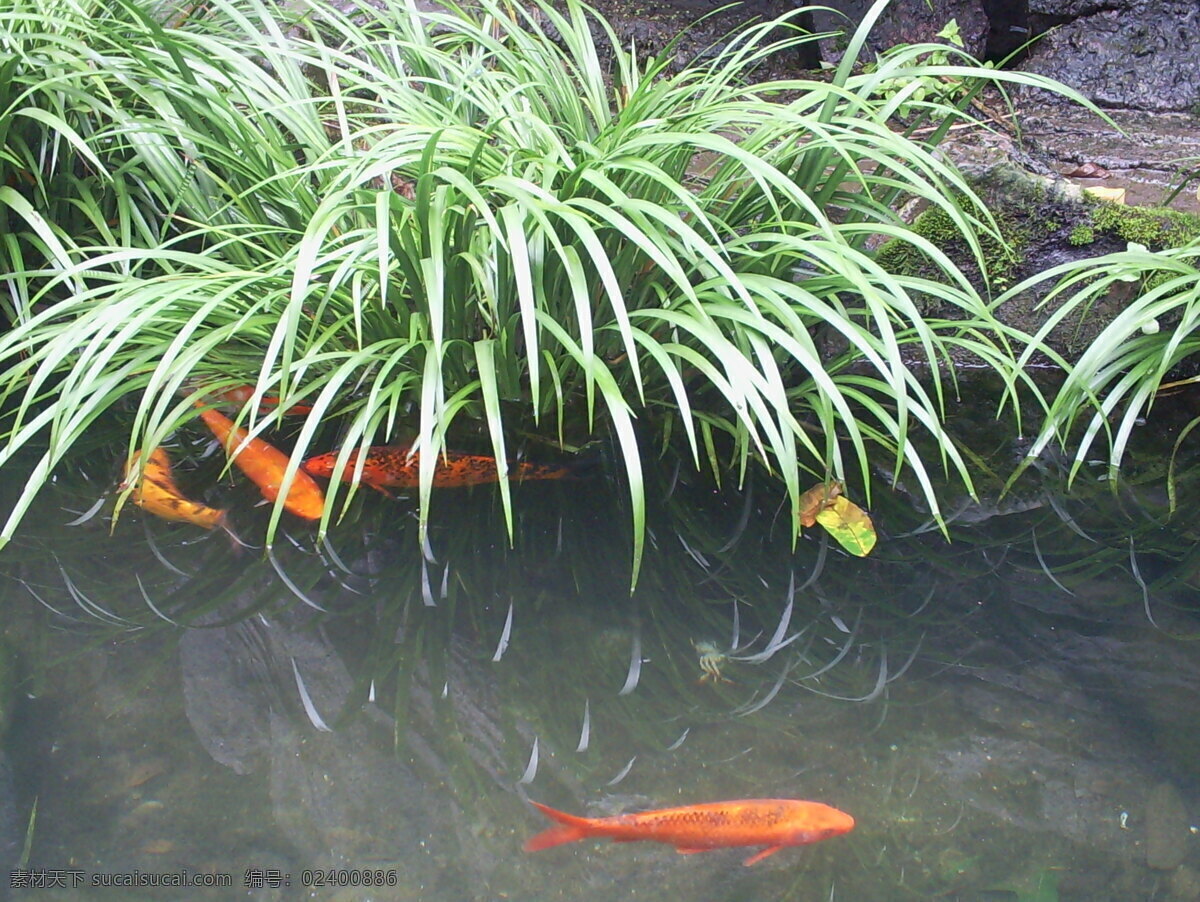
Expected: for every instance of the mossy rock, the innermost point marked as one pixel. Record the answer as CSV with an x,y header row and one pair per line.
x,y
936,225
1155,228
1043,224
1028,213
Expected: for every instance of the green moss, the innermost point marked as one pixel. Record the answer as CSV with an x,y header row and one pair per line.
x,y
1082,234
936,226
1154,227
901,257
1029,216
1158,278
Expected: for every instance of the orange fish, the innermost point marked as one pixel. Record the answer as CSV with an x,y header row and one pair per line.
x,y
389,466
265,465
773,823
242,393
157,494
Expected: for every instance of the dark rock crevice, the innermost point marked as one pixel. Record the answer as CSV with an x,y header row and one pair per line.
x,y
1009,30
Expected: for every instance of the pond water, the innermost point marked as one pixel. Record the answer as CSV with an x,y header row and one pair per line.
x,y
1011,715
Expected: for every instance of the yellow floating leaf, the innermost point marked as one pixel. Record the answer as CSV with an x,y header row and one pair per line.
x,y
850,525
816,500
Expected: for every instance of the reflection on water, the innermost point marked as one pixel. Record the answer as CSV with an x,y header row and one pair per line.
x,y
1010,716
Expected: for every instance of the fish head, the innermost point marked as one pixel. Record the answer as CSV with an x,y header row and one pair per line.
x,y
321,465
821,822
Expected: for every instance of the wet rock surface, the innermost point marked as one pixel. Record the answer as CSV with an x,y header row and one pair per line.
x,y
1127,54
1137,54
697,29
1147,154
904,23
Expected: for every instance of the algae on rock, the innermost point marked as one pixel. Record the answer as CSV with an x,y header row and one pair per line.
x,y
1155,228
1042,224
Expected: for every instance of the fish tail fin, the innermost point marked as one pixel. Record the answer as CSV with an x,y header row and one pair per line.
x,y
568,829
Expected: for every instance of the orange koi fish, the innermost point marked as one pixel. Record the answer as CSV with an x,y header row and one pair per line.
x,y
242,393
157,494
773,823
265,465
389,466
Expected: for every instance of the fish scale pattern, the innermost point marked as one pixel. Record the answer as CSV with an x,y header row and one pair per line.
x,y
392,466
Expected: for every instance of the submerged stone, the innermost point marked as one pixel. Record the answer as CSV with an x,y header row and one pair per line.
x,y
1167,828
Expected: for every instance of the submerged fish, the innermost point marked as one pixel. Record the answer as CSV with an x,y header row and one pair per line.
x,y
240,394
265,465
156,493
390,466
773,823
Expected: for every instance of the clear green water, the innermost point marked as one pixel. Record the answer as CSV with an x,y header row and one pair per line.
x,y
1010,716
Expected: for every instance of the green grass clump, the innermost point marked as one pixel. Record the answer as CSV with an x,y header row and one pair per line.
x,y
471,222
1113,383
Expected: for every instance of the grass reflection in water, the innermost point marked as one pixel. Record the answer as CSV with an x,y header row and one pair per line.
x,y
377,707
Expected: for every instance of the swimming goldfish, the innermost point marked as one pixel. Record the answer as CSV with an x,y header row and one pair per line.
x,y
773,823
157,493
265,465
240,394
390,466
